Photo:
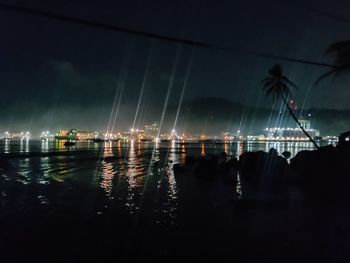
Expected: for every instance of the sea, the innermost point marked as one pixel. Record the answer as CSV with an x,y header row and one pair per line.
x,y
117,199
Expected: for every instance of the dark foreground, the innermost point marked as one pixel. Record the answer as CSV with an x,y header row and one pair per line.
x,y
297,212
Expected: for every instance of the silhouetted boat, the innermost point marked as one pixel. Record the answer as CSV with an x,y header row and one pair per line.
x,y
69,143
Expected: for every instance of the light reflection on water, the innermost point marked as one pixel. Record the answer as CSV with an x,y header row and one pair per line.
x,y
203,149
7,146
183,154
24,169
172,159
171,202
21,146
132,176
240,148
107,175
45,168
45,146
26,142
228,149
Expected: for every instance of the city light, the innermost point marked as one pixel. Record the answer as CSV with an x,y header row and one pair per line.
x,y
151,133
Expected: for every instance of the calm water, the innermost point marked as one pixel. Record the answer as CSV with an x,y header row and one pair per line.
x,y
108,193
124,173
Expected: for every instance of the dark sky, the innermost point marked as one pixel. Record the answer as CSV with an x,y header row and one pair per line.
x,y
55,73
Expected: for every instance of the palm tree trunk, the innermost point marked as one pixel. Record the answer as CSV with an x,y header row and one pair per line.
x,y
297,121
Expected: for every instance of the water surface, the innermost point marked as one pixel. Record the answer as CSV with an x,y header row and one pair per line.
x,y
119,196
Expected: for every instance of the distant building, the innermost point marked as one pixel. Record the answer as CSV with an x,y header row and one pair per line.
x,y
17,136
232,137
151,130
305,123
136,134
61,135
6,135
292,134
46,135
75,134
278,133
108,136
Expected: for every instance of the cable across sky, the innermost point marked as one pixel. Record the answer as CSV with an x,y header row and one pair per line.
x,y
150,35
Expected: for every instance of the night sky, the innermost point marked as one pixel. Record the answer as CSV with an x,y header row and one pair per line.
x,y
59,74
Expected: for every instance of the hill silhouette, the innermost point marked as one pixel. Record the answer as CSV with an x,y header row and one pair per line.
x,y
213,115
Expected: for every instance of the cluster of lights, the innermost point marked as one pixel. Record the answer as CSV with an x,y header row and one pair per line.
x,y
25,135
45,135
110,136
331,138
22,135
7,135
278,138
173,135
132,130
229,137
285,129
182,137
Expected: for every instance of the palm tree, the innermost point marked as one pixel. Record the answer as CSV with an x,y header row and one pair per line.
x,y
341,52
278,86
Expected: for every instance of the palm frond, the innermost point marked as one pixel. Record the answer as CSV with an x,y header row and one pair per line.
x,y
266,79
339,47
276,84
289,82
268,84
341,57
270,90
325,75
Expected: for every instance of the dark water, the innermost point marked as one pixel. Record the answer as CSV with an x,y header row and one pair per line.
x,y
93,201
